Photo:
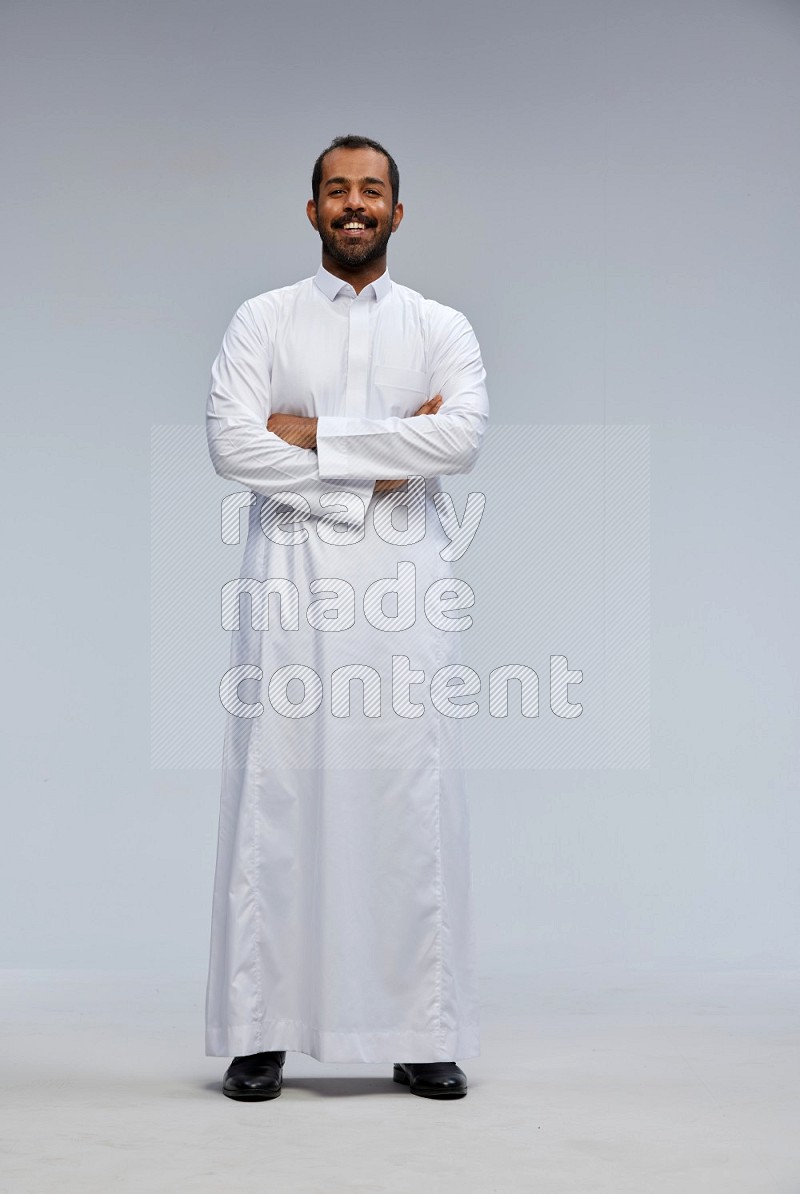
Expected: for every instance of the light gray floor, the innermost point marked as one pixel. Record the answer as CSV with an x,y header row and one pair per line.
x,y
588,1081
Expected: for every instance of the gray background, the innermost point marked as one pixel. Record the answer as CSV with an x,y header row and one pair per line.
x,y
609,192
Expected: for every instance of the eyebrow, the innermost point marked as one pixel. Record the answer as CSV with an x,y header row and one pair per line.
x,y
341,178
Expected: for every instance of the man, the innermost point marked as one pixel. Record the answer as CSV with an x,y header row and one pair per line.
x,y
341,919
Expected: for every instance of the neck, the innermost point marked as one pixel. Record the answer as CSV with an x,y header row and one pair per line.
x,y
358,276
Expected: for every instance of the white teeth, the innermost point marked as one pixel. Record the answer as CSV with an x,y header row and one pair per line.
x,y
354,225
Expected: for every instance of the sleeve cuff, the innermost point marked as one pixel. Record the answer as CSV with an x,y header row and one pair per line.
x,y
332,458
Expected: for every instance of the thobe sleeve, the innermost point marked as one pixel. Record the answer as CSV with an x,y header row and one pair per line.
x,y
420,445
243,450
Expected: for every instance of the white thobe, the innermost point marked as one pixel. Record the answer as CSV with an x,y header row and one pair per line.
x,y
342,919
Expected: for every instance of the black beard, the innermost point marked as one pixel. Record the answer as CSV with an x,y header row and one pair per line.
x,y
355,254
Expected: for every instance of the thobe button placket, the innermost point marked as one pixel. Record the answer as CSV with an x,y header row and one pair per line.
x,y
357,359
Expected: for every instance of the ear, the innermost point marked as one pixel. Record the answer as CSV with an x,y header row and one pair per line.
x,y
398,215
311,212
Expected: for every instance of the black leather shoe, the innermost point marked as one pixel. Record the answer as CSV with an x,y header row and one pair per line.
x,y
432,1079
255,1076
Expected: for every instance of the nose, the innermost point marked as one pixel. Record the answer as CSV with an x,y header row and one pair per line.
x,y
353,201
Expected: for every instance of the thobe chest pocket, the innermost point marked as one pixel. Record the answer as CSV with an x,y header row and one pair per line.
x,y
402,391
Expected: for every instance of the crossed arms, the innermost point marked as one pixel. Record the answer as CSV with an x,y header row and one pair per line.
x,y
304,461
302,432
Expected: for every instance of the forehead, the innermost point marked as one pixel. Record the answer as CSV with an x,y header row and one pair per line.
x,y
355,163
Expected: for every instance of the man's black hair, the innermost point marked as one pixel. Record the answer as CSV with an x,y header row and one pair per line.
x,y
351,141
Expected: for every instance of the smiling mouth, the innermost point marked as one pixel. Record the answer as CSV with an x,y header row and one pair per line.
x,y
354,228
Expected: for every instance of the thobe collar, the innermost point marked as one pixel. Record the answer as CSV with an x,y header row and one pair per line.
x,y
330,285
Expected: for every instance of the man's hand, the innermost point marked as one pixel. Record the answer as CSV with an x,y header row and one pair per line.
x,y
294,429
431,406
428,408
